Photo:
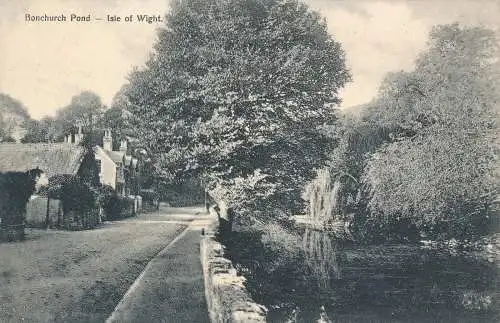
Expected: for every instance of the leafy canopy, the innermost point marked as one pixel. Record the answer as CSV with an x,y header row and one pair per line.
x,y
85,109
236,91
441,163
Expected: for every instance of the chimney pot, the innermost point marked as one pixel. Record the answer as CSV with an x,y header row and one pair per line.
x,y
107,141
123,145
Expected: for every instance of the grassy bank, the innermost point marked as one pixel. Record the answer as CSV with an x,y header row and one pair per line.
x,y
59,276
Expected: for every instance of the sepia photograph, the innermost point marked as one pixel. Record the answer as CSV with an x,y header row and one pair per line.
x,y
234,161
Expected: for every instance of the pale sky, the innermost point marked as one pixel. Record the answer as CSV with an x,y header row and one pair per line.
x,y
43,64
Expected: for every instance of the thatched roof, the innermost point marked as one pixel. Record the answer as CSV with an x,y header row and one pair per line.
x,y
52,158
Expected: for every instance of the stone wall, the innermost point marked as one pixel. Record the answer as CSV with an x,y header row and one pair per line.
x,y
36,212
227,298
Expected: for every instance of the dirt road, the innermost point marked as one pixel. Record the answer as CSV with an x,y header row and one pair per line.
x,y
61,276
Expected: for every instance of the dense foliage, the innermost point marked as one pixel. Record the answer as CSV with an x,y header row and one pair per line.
x,y
183,192
16,189
440,170
75,193
115,206
85,110
235,92
423,160
12,114
10,105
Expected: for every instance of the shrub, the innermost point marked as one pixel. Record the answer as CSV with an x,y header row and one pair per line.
x,y
79,201
16,189
78,196
115,206
75,194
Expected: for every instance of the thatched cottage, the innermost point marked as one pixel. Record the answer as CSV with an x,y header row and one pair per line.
x,y
52,158
55,159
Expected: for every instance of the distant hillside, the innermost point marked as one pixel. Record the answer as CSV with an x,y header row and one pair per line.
x,y
9,104
12,116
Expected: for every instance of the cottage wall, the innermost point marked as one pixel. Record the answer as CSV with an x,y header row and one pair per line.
x,y
107,174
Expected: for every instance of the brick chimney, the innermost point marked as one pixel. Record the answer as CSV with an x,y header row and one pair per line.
x,y
107,140
123,145
79,135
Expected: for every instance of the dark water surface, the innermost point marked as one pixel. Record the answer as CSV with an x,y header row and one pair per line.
x,y
402,283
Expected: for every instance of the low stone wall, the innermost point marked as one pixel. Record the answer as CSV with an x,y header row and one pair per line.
x,y
36,212
227,298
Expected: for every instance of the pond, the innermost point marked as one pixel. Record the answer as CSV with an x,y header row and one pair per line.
x,y
384,283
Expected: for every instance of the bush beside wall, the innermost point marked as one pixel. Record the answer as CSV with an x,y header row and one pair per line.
x,y
118,207
79,202
77,220
115,206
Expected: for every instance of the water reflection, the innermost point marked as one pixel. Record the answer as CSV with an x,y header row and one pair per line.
x,y
394,283
322,256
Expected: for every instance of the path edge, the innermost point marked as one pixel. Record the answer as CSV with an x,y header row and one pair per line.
x,y
119,307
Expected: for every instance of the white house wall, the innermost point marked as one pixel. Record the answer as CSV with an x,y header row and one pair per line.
x,y
107,174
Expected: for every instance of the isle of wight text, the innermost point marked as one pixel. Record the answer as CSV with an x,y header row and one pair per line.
x,y
82,18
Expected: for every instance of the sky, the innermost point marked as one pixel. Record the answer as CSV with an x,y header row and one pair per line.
x,y
44,64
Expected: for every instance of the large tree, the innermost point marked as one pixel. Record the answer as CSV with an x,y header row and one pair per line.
x,y
117,117
236,92
440,169
36,131
84,109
